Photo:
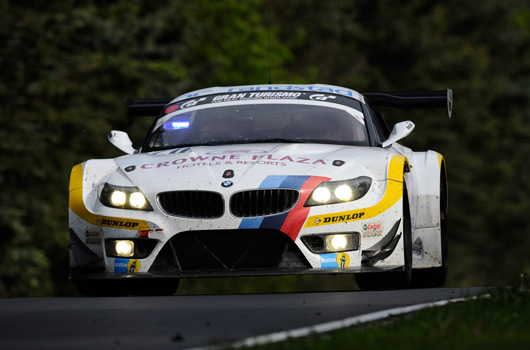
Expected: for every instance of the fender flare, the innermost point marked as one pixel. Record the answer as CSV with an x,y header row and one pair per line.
x,y
427,171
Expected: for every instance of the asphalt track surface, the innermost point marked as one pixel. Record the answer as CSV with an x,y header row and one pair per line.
x,y
188,321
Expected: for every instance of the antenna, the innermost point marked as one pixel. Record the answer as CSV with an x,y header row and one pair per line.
x,y
269,38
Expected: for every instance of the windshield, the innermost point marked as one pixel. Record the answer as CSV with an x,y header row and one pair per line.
x,y
254,122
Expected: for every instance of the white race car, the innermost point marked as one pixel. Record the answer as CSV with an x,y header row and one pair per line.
x,y
262,180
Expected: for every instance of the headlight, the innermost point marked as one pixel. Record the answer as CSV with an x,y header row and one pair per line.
x,y
332,192
123,197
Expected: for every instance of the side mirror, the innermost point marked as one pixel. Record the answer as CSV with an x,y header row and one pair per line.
x,y
400,131
121,141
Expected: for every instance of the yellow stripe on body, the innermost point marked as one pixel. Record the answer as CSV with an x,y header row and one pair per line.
x,y
393,193
77,205
440,160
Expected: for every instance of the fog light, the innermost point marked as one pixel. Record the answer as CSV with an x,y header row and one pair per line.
x,y
341,242
338,242
124,248
332,243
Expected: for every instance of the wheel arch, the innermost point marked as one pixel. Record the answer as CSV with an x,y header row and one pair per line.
x,y
429,171
428,168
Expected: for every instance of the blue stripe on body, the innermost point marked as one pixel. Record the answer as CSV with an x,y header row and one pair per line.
x,y
275,221
250,223
273,181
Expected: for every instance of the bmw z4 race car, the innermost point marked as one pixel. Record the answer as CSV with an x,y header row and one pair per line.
x,y
262,180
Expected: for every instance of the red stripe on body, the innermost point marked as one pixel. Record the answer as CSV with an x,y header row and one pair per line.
x,y
298,215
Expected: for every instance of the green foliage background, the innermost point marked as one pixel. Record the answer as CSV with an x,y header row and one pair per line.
x,y
66,69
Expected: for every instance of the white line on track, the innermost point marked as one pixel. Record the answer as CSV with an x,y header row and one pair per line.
x,y
333,325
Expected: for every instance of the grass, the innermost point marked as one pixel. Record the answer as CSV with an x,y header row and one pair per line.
x,y
502,320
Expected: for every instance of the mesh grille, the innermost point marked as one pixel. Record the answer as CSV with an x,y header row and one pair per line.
x,y
314,243
262,202
192,204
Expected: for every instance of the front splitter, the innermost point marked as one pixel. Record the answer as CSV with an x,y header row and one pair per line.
x,y
236,273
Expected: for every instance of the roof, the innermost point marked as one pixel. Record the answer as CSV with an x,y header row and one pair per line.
x,y
322,88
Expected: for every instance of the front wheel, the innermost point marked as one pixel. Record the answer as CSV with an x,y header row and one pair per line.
x,y
436,276
393,280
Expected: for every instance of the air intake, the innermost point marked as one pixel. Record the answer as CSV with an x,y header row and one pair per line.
x,y
192,204
262,202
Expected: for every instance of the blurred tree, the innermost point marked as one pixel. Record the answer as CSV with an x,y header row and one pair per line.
x,y
66,71
479,49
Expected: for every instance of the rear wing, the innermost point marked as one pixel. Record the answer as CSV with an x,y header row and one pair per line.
x,y
145,107
413,100
152,107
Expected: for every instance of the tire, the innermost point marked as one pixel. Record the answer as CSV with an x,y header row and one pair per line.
x,y
122,287
393,280
436,276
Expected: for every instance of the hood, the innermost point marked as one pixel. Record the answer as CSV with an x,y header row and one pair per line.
x,y
246,166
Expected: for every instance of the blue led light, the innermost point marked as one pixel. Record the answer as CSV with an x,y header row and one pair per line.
x,y
176,125
178,122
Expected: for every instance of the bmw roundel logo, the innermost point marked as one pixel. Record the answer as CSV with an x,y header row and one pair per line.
x,y
227,183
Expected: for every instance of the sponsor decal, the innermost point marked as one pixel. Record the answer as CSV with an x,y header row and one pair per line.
x,y
117,223
343,218
337,162
317,88
328,260
343,260
288,87
130,168
232,158
126,265
372,229
334,260
269,92
320,97
133,266
192,103
120,265
256,96
93,237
